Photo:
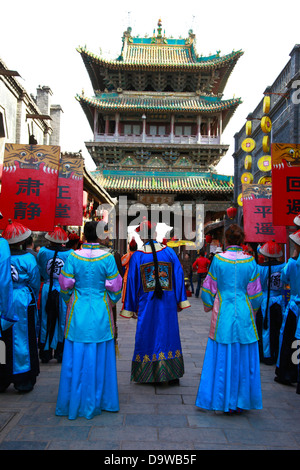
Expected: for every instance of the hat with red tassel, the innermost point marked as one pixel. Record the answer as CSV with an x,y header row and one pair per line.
x,y
144,225
297,220
57,236
133,244
15,232
271,249
73,236
295,237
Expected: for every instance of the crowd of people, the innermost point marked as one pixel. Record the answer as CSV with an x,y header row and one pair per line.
x,y
60,303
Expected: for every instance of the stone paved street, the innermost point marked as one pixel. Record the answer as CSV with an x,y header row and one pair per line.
x,y
152,418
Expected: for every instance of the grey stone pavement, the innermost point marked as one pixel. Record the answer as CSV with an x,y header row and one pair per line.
x,y
152,418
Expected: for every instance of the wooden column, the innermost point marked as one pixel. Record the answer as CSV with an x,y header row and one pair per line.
x,y
95,123
220,127
117,118
106,125
172,128
198,129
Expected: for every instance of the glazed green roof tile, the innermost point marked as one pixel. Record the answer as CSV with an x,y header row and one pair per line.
x,y
114,102
162,57
164,184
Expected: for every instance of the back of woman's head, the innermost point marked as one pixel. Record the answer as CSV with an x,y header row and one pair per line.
x,y
90,232
234,235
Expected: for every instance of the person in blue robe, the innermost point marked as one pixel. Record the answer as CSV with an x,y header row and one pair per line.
x,y
90,285
22,363
286,371
6,286
53,310
230,377
269,316
155,291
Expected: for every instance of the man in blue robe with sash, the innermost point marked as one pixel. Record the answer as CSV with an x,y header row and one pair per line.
x,y
51,260
155,292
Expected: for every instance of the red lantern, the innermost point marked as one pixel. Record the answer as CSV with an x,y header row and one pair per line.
x,y
208,238
231,212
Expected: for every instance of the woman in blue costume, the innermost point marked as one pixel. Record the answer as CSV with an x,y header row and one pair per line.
x,y
22,363
269,316
51,260
230,378
286,370
155,291
90,284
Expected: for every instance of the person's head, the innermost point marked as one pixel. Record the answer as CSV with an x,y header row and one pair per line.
x,y
234,235
102,232
201,252
133,245
146,230
271,249
57,237
15,233
28,243
90,232
74,240
295,237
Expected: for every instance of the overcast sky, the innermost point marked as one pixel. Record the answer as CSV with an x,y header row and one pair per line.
x,y
39,40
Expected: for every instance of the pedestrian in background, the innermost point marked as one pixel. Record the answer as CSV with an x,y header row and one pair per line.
x,y
269,315
201,267
187,266
53,310
125,264
286,371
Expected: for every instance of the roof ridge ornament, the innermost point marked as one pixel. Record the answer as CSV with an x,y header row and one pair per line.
x,y
159,29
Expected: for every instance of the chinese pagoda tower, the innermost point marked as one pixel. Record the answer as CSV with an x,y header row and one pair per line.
x,y
157,118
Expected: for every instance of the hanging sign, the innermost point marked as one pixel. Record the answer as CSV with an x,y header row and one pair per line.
x,y
69,191
285,182
29,185
257,209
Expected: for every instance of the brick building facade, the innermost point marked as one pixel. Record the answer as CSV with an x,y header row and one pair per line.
x,y
285,117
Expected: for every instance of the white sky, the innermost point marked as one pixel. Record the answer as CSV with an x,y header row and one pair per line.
x,y
39,40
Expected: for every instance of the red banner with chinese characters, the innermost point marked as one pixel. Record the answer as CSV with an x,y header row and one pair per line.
x,y
29,185
285,182
257,209
70,190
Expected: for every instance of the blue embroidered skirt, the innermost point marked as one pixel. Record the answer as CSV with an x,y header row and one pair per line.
x,y
230,377
88,381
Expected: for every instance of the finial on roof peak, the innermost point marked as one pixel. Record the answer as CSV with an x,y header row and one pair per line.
x,y
159,29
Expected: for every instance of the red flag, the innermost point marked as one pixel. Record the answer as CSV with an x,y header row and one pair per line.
x,y
70,191
285,182
29,185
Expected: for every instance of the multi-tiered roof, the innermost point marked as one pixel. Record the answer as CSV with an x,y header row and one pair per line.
x,y
159,77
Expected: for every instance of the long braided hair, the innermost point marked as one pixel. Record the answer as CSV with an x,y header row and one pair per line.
x,y
158,291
